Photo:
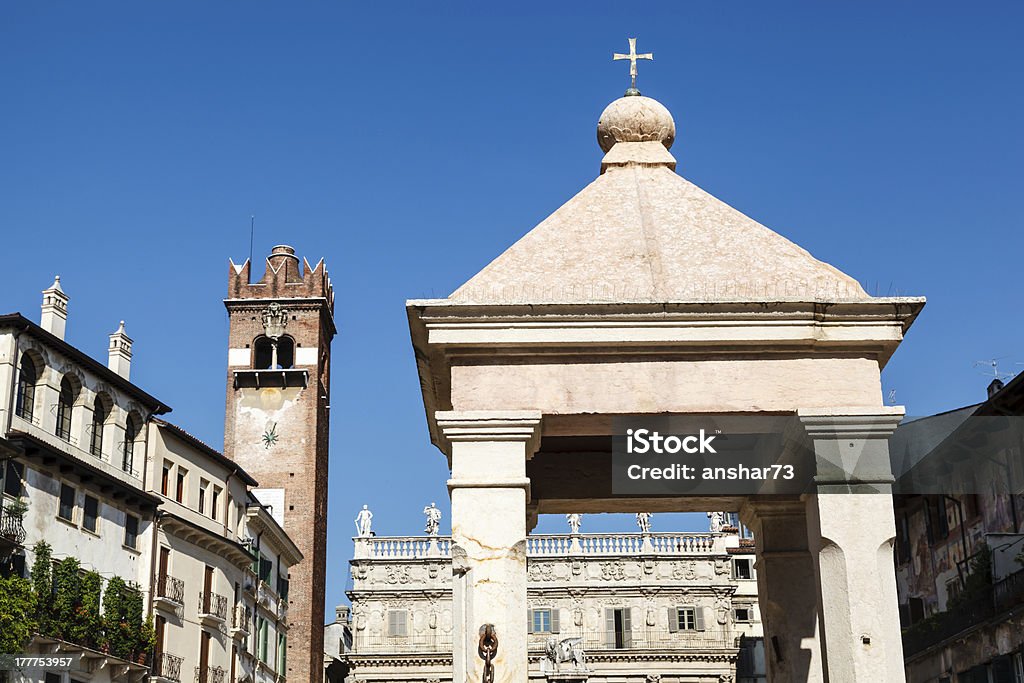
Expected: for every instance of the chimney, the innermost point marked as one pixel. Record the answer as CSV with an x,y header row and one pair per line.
x,y
54,317
994,387
119,357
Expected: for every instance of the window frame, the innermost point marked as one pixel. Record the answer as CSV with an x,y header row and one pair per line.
x,y
128,517
398,628
61,503
95,516
25,400
749,563
65,409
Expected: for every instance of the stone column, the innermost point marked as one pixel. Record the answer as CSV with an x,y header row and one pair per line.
x,y
490,493
851,531
786,589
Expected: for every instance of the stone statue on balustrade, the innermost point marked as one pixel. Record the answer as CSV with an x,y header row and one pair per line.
x,y
574,521
643,520
363,522
567,651
433,514
717,521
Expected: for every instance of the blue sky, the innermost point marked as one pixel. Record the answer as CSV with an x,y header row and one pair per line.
x,y
410,143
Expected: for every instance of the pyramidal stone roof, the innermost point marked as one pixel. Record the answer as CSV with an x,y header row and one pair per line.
x,y
642,233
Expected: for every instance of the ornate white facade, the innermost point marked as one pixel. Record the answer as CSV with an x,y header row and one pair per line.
x,y
666,607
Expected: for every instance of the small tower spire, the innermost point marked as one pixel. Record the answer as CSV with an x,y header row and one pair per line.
x,y
54,316
119,354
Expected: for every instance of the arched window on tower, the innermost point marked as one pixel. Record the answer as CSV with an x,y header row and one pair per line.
x,y
266,357
27,379
65,406
100,413
131,432
285,352
262,353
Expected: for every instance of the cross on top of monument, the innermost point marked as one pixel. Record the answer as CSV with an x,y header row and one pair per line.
x,y
632,57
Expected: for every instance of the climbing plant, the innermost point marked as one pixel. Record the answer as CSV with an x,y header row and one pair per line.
x,y
122,618
42,585
17,614
86,627
67,598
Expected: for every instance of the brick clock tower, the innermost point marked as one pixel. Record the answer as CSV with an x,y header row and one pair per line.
x,y
276,423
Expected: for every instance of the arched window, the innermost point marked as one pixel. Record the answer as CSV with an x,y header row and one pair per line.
x,y
131,432
100,412
27,379
263,353
285,352
65,404
270,356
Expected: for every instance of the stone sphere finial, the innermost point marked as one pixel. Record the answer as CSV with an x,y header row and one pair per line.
x,y
635,118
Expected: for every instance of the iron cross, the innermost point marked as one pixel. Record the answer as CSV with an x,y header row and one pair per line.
x,y
632,57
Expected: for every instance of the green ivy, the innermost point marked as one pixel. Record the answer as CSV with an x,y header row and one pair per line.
x,y
86,627
17,614
122,619
67,598
42,585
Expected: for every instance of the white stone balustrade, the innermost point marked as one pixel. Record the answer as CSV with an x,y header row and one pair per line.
x,y
550,545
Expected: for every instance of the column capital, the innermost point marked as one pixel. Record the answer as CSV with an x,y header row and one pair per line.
x,y
851,422
490,425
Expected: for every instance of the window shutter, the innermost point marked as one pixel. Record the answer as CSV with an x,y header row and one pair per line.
x,y
673,619
698,618
555,613
627,627
529,621
609,627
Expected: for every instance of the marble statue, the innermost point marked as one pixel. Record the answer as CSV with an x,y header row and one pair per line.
x,y
717,521
567,650
433,514
363,521
643,520
574,521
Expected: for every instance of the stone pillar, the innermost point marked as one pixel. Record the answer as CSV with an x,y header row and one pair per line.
x,y
851,531
786,589
490,493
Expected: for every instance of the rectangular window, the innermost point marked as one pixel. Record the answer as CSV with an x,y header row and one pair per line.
x,y
165,479
12,480
131,532
215,502
282,587
743,614
397,623
66,508
282,650
618,628
742,568
90,513
686,618
179,491
540,621
203,486
262,633
53,677
266,569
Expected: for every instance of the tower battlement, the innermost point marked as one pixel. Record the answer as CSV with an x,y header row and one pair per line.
x,y
284,278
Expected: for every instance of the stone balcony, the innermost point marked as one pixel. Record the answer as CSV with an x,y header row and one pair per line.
x,y
551,545
240,617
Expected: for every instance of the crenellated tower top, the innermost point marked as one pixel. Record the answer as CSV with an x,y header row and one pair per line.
x,y
284,278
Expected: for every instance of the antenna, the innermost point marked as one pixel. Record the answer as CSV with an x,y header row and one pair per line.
x,y
252,231
892,397
994,364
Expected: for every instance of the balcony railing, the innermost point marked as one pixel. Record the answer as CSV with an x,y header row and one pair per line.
x,y
12,527
211,674
240,617
553,545
944,625
440,642
214,605
1009,592
168,666
170,588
